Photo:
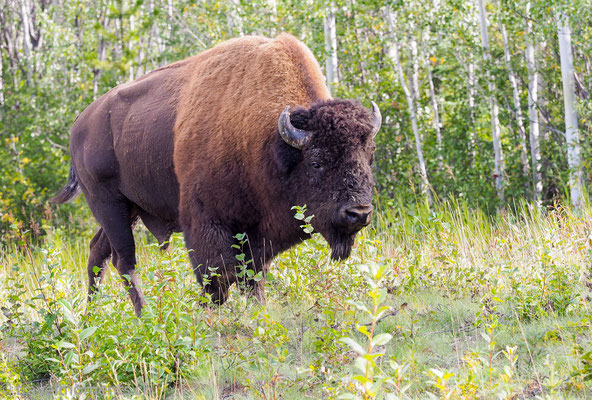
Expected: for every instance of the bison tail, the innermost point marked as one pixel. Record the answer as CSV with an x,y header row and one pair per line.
x,y
71,189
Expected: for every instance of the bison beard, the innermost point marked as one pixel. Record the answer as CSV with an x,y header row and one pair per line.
x,y
218,144
341,245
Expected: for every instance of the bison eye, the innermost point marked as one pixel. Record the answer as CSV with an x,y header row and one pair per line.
x,y
315,165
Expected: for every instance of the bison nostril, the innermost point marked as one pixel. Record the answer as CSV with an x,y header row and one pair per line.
x,y
351,216
356,217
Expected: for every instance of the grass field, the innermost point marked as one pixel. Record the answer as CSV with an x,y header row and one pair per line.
x,y
442,304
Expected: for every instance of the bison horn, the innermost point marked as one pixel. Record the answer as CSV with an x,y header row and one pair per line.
x,y
293,136
377,119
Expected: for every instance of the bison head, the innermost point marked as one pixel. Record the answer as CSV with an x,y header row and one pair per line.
x,y
328,166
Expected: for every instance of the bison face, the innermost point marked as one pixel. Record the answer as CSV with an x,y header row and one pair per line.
x,y
329,166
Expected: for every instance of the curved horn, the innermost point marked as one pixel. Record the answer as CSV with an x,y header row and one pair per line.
x,y
293,136
377,119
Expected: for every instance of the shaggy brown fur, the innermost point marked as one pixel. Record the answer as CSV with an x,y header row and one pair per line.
x,y
194,147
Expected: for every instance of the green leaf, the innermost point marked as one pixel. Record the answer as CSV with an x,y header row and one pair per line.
x,y
359,305
380,312
65,345
371,356
88,332
381,339
89,368
68,358
363,329
66,311
361,364
355,346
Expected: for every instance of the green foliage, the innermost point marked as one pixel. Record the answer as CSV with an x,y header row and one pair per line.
x,y
300,215
83,346
443,303
369,376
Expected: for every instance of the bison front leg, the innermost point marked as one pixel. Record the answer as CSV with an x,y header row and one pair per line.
x,y
212,258
213,254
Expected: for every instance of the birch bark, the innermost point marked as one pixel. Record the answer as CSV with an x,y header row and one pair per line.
x,y
437,125
533,114
27,40
130,45
235,24
1,81
331,46
571,117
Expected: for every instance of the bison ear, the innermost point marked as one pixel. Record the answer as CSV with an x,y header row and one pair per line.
x,y
285,156
300,118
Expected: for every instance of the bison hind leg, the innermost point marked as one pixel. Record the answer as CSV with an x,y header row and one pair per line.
x,y
117,218
215,282
100,252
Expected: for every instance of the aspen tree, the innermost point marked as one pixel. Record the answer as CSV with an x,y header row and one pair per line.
x,y
572,136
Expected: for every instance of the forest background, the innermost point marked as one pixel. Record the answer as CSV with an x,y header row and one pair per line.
x,y
471,92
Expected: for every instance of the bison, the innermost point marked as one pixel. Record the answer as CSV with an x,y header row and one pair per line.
x,y
222,143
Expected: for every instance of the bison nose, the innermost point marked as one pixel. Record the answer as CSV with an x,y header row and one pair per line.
x,y
354,218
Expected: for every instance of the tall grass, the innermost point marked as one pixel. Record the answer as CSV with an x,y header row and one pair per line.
x,y
473,306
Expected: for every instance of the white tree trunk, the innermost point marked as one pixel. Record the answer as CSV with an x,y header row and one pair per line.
x,y
272,17
495,131
104,21
411,107
1,83
571,117
533,114
414,79
27,46
169,33
130,46
233,19
517,106
437,126
98,71
331,46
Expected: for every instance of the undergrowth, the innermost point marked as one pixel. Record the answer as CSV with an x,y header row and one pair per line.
x,y
441,303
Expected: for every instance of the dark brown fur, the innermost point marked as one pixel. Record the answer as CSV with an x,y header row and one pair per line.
x,y
194,147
